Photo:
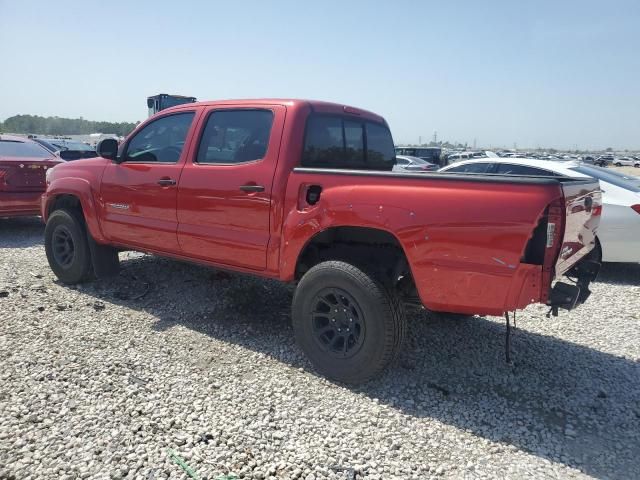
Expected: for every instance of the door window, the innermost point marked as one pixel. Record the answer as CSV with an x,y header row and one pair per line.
x,y
484,167
161,141
512,169
235,136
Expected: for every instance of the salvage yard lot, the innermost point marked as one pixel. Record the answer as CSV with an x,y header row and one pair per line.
x,y
99,380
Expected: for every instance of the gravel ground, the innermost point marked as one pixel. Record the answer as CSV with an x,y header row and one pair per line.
x,y
100,380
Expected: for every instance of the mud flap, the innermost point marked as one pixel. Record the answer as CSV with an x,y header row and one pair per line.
x,y
104,259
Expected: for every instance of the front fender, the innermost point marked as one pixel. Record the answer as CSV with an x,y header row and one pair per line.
x,y
81,189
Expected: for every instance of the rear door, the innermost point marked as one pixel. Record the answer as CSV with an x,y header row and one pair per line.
x,y
139,195
224,194
583,207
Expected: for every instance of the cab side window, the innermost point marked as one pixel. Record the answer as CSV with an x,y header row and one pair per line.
x,y
235,136
161,141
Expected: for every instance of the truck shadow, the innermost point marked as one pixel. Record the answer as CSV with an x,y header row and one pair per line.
x,y
561,401
21,232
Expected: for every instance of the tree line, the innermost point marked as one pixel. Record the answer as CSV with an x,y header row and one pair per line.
x,y
62,126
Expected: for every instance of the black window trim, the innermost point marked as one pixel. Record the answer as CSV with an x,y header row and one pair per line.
x,y
203,123
155,119
343,117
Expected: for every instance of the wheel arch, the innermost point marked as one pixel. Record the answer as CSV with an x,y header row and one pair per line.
x,y
74,196
376,250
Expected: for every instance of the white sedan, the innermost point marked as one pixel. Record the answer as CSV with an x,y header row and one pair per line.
x,y
619,232
624,162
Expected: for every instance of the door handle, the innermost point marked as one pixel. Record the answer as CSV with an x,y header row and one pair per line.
x,y
166,182
252,188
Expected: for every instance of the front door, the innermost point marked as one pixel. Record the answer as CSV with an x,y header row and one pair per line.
x,y
224,194
139,194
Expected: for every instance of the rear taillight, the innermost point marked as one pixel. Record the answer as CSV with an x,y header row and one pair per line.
x,y
636,208
3,176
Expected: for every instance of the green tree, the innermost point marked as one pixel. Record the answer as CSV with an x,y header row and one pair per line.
x,y
62,126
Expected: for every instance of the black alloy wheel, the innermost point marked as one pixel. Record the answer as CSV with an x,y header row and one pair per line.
x,y
338,322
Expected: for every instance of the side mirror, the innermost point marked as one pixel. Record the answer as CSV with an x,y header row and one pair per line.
x,y
108,148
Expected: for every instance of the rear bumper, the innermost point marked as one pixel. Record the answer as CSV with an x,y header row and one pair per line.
x,y
19,204
568,296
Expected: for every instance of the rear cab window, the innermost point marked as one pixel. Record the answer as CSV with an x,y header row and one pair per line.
x,y
334,141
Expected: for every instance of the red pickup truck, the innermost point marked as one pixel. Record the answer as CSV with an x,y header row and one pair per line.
x,y
302,191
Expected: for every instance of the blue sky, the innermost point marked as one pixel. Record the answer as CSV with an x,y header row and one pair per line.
x,y
544,73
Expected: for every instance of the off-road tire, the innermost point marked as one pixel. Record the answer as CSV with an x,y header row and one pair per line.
x,y
79,268
382,316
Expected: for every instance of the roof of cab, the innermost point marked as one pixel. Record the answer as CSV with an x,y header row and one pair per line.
x,y
315,105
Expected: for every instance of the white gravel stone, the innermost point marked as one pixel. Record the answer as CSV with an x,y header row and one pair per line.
x,y
100,380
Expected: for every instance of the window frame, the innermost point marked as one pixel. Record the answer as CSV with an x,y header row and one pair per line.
x,y
125,148
203,127
342,118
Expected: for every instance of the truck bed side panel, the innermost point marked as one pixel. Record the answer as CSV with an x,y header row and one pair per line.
x,y
464,239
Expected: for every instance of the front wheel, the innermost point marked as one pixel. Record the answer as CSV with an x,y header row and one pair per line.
x,y
346,322
66,246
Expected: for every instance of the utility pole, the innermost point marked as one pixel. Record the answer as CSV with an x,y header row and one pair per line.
x,y
420,140
435,136
474,143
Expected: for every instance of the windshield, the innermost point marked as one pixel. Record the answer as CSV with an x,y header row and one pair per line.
x,y
11,148
619,180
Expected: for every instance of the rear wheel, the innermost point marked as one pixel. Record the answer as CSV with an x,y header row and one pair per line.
x,y
346,322
67,248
